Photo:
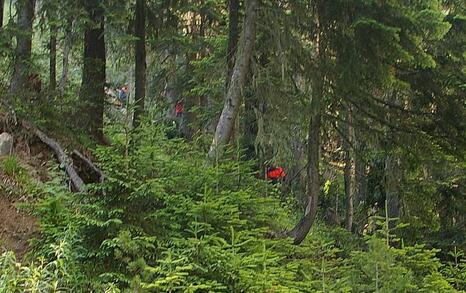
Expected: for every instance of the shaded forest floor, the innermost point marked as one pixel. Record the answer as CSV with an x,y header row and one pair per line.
x,y
20,173
16,227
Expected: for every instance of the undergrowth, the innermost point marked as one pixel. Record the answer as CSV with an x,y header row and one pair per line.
x,y
165,221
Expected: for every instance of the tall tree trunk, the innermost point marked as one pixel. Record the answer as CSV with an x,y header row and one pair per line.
x,y
1,12
66,55
93,78
359,170
233,36
392,183
300,231
349,171
140,56
238,79
171,96
53,57
22,67
187,118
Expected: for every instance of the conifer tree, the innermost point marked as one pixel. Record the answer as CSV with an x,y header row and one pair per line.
x,y
93,75
22,64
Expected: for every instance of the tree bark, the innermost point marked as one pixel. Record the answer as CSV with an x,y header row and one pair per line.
x,y
392,182
233,36
349,171
22,67
300,231
66,55
53,57
1,12
171,96
140,56
238,79
93,78
187,118
359,171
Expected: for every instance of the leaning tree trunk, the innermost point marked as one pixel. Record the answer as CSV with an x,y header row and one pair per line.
x,y
233,36
238,79
22,66
140,56
93,77
300,231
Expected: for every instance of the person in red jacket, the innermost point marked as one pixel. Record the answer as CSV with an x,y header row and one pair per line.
x,y
179,108
275,173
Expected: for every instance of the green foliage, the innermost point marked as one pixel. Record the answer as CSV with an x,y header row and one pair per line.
x,y
58,274
11,166
163,221
21,181
384,268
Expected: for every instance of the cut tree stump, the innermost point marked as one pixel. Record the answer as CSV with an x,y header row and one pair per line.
x,y
90,164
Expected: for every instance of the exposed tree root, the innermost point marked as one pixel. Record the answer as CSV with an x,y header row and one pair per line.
x,y
63,159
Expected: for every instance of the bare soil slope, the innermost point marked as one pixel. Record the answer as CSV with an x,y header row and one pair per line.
x,y
16,227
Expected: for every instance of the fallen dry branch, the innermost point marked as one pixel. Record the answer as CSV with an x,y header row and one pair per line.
x,y
91,165
63,159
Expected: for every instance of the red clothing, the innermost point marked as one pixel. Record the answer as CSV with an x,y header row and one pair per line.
x,y
179,108
275,173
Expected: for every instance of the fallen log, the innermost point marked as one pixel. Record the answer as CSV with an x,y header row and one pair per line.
x,y
91,165
63,159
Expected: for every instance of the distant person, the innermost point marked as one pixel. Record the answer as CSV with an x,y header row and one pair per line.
x,y
275,174
179,108
123,95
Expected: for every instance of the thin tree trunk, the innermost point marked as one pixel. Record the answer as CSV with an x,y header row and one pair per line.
x,y
348,172
249,121
297,167
233,36
238,79
93,78
53,58
359,171
392,181
171,97
1,12
22,68
140,56
66,56
187,118
300,231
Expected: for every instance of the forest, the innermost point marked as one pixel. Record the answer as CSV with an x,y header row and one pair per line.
x,y
232,146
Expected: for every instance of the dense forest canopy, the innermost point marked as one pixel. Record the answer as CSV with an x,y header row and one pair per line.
x,y
232,146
